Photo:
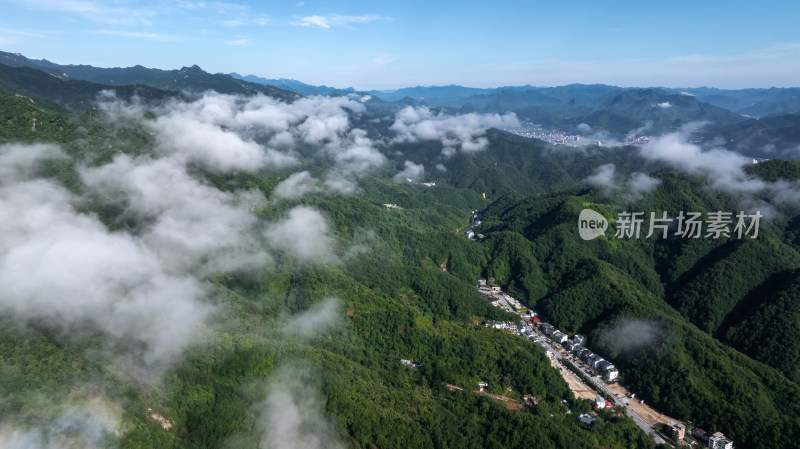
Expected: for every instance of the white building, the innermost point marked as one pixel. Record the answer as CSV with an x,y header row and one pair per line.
x,y
498,324
719,441
595,360
559,337
600,402
611,374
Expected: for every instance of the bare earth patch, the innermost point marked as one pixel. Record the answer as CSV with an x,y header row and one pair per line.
x,y
579,389
647,413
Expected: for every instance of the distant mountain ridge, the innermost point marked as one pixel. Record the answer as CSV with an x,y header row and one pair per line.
x,y
53,93
292,85
186,78
755,102
595,111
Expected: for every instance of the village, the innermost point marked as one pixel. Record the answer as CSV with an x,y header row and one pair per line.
x,y
571,354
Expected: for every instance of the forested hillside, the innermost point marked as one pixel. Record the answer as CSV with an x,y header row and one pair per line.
x,y
304,338
199,270
661,308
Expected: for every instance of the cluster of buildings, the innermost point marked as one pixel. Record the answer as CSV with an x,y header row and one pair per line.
x,y
549,136
475,220
514,328
576,346
558,137
717,440
498,297
523,330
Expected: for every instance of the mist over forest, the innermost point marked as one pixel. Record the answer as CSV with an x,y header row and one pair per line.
x,y
224,262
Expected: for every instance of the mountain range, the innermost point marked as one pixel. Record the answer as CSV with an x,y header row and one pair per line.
x,y
596,112
186,78
342,287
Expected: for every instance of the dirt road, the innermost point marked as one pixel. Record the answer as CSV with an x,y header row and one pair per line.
x,y
580,389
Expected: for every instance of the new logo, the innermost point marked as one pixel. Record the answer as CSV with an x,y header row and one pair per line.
x,y
591,224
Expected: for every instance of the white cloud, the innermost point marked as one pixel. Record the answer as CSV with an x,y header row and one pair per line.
x,y
464,131
214,147
94,11
292,415
339,183
313,120
354,153
318,319
296,185
723,165
632,188
304,234
604,177
85,427
664,105
21,162
326,22
197,132
411,172
237,42
315,20
67,269
326,118
629,336
475,144
143,284
190,225
221,132
723,169
640,131
641,184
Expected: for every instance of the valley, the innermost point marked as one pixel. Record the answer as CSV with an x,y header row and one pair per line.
x,y
194,260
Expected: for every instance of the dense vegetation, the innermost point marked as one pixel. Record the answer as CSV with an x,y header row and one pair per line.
x,y
410,297
621,289
704,329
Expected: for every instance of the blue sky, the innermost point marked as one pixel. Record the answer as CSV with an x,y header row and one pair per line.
x,y
378,44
